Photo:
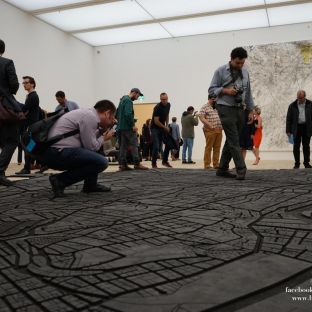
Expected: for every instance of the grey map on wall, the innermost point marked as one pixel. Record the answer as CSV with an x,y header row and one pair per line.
x,y
277,72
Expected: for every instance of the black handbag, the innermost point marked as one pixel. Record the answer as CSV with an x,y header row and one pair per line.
x,y
181,142
170,142
10,113
10,109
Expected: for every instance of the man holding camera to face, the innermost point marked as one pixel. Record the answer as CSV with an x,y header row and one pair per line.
x,y
231,87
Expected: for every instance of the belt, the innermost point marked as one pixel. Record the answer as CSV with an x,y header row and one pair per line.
x,y
241,106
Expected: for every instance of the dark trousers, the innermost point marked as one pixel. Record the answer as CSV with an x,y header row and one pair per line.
x,y
301,137
147,150
79,164
20,154
28,161
232,119
128,140
8,144
157,138
176,153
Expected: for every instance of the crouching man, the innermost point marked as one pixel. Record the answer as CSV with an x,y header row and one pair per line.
x,y
77,156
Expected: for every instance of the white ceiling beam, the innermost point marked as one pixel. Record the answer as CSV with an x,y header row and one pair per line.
x,y
177,18
72,6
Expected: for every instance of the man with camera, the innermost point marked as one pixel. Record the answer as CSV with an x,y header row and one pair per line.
x,y
231,87
189,120
78,155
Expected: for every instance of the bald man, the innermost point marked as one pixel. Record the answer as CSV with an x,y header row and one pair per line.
x,y
299,124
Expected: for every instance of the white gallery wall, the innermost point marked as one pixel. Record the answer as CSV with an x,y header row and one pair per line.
x,y
182,67
55,59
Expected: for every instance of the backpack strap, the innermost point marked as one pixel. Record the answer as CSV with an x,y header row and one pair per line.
x,y
59,137
70,133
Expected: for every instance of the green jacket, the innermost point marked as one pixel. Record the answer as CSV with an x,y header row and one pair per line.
x,y
188,122
125,114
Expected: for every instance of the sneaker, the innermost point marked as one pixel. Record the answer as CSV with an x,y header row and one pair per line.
x,y
97,189
140,167
225,174
5,181
57,187
23,172
166,164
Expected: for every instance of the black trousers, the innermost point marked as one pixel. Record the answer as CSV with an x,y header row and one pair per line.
x,y
232,119
8,142
302,137
147,150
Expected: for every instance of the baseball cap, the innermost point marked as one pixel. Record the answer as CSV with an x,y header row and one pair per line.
x,y
137,90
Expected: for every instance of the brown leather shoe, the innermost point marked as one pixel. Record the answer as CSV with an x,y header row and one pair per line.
x,y
140,167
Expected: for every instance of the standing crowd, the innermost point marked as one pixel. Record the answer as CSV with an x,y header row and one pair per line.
x,y
77,140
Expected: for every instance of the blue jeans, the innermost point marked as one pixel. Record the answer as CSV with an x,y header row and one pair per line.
x,y
187,145
78,164
157,138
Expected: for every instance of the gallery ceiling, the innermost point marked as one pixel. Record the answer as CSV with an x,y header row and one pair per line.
x,y
106,22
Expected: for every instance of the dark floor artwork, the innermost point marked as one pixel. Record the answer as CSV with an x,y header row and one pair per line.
x,y
161,241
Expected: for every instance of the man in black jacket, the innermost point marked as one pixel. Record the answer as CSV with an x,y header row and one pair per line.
x,y
8,131
299,124
32,112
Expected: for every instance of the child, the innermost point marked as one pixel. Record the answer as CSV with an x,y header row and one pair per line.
x,y
258,133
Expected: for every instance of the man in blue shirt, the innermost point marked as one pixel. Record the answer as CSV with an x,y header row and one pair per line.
x,y
64,103
230,86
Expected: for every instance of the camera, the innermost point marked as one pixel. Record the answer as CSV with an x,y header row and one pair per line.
x,y
239,94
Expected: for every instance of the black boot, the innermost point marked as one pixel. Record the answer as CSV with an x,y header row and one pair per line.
x,y
225,173
57,187
5,181
241,173
96,189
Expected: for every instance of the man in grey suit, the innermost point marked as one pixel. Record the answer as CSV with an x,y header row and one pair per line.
x,y
8,131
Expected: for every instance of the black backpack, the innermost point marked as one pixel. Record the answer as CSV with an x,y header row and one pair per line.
x,y
36,139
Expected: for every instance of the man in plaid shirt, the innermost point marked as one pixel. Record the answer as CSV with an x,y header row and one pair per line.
x,y
209,116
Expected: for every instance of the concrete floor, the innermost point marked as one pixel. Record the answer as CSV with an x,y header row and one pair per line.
x,y
161,241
